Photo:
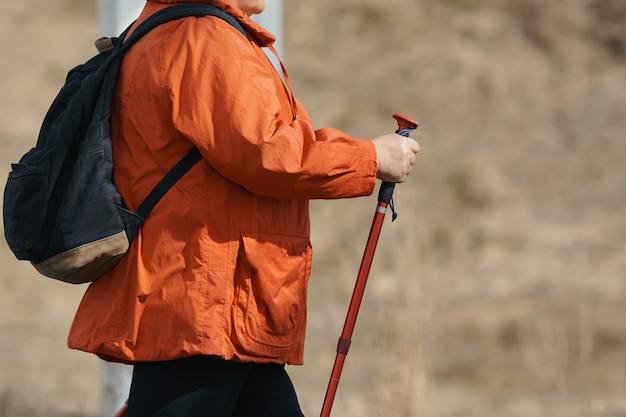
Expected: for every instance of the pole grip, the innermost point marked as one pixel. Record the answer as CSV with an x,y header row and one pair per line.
x,y
405,126
385,193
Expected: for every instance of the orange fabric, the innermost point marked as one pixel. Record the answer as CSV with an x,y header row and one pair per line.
x,y
221,265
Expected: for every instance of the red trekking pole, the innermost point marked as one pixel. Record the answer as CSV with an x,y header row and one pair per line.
x,y
385,199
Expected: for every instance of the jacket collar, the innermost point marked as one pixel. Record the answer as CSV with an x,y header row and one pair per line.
x,y
256,31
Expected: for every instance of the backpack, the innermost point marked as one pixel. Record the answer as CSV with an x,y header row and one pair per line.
x,y
61,210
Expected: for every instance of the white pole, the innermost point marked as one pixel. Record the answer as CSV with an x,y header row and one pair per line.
x,y
114,387
272,20
113,17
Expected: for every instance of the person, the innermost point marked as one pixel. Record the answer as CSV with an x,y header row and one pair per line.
x,y
209,303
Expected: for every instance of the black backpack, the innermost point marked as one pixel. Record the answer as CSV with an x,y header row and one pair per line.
x,y
61,210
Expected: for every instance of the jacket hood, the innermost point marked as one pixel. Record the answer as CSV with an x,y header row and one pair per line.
x,y
255,30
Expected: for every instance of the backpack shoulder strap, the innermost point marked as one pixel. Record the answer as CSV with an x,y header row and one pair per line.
x,y
175,12
167,182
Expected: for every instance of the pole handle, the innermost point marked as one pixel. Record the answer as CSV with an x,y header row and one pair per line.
x,y
405,126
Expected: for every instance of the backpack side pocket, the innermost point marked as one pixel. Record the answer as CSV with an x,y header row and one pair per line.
x,y
25,208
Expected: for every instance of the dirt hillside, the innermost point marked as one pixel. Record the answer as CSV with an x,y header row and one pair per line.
x,y
501,288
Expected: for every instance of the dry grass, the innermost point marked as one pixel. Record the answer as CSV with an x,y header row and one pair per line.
x,y
499,290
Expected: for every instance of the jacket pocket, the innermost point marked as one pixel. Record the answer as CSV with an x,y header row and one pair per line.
x,y
270,293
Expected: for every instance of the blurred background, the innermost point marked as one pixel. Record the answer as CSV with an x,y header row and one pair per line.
x,y
501,288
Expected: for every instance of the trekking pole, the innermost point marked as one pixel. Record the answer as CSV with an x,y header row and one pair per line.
x,y
385,199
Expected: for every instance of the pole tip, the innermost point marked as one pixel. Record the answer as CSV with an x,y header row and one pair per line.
x,y
405,122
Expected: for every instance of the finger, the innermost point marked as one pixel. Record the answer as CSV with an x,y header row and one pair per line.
x,y
415,147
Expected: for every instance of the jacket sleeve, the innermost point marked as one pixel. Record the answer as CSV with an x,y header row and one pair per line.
x,y
228,101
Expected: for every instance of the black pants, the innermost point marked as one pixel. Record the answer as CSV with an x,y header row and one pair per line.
x,y
203,386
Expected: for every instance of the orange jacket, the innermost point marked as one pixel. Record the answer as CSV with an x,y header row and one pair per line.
x,y
221,265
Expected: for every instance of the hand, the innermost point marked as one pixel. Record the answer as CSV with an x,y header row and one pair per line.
x,y
396,155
